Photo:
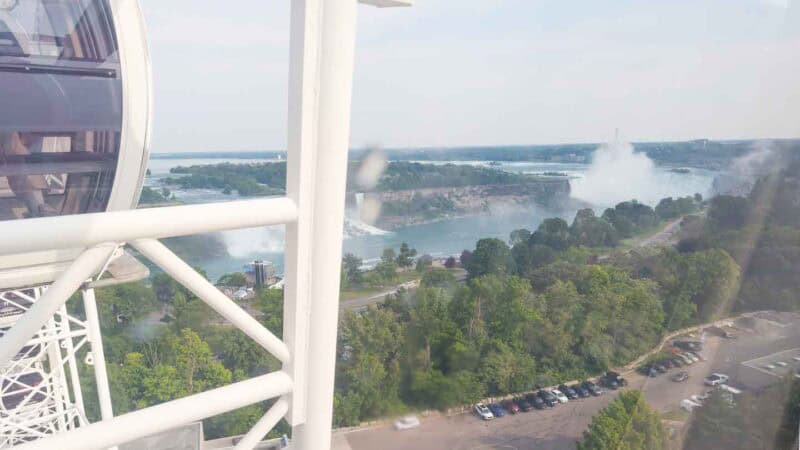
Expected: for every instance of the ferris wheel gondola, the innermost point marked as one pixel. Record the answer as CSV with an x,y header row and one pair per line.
x,y
75,109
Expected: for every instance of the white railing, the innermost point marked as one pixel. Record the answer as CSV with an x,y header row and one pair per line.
x,y
320,84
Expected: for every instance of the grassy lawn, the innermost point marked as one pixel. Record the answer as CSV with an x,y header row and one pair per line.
x,y
358,292
402,277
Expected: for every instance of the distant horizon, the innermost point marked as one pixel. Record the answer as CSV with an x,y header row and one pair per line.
x,y
478,146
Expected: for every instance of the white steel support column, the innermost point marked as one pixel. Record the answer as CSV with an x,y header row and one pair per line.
x,y
336,41
98,355
300,182
74,376
58,379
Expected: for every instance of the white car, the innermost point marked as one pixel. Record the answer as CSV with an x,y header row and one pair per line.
x,y
692,357
406,423
730,389
715,379
689,405
483,412
769,366
781,363
685,358
560,396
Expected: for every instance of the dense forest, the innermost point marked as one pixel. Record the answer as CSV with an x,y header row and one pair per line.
x,y
270,178
697,153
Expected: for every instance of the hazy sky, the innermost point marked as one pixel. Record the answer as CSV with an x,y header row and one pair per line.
x,y
484,72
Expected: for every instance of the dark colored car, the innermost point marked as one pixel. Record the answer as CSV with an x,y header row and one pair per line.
x,y
660,368
592,388
612,380
648,371
616,376
497,410
580,390
667,363
677,362
535,401
523,404
548,398
510,406
680,376
568,391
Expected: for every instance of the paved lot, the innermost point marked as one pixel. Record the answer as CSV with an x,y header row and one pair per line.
x,y
560,427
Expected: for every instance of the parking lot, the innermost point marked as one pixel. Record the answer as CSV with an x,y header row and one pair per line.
x,y
744,359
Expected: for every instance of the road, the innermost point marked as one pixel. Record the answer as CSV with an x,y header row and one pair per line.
x,y
663,236
559,428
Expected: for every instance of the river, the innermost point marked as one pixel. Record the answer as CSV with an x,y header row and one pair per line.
x,y
443,238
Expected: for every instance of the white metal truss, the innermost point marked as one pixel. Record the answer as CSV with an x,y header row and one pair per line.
x,y
320,87
35,398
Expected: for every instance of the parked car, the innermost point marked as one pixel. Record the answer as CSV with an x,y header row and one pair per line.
x,y
685,358
406,423
648,371
483,412
660,368
560,396
680,376
667,363
689,405
510,406
580,390
677,362
497,410
535,401
592,388
568,391
548,397
715,379
692,357
612,380
523,404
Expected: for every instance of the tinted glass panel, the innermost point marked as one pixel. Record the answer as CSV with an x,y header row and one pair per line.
x,y
62,114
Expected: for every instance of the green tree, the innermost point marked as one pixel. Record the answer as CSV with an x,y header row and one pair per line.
x,y
519,236
491,256
351,266
506,370
553,233
235,279
196,366
424,262
626,423
406,256
592,231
